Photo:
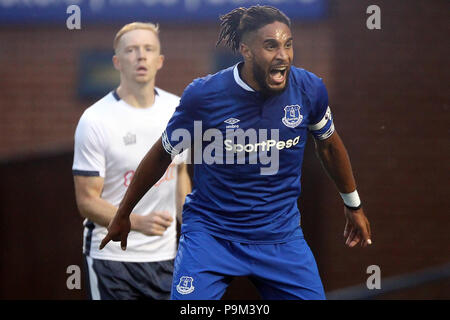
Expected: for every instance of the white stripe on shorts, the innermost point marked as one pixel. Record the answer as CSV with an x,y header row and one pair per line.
x,y
93,281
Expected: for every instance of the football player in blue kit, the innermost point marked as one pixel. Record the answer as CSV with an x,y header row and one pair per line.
x,y
241,218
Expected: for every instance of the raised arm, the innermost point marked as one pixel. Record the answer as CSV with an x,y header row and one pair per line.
x,y
334,157
149,171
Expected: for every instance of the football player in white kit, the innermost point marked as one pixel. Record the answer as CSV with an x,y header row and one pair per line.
x,y
112,137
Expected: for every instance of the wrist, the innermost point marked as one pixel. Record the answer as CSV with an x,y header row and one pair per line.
x,y
351,200
134,221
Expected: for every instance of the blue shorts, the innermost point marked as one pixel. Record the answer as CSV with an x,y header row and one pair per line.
x,y
116,280
205,266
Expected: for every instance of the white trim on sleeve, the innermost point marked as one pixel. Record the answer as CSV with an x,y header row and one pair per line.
x,y
319,125
167,145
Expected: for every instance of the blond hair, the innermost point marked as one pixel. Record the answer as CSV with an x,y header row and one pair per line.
x,y
135,26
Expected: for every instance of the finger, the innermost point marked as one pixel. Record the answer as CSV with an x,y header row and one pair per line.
x,y
346,229
365,233
350,236
370,232
158,230
356,239
353,238
123,241
165,215
105,241
162,222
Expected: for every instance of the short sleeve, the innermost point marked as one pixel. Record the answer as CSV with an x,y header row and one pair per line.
x,y
321,126
89,155
181,158
179,133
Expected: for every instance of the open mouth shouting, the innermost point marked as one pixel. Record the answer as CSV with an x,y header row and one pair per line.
x,y
278,75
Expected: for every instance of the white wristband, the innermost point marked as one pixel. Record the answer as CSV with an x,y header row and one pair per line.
x,y
351,199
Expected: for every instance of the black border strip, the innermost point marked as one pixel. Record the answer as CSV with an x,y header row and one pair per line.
x,y
86,173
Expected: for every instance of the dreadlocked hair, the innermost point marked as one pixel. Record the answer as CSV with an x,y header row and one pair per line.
x,y
241,20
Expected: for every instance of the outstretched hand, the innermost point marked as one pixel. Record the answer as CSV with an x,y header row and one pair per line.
x,y
357,228
118,230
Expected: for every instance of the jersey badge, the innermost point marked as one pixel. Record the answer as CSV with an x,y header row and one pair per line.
x,y
129,139
185,286
292,117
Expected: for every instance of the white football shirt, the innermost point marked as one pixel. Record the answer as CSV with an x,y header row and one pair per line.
x,y
111,139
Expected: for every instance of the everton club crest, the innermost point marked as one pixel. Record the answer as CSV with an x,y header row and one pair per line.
x,y
185,286
292,116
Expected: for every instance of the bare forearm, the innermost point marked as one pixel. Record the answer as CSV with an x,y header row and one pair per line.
x,y
335,160
97,210
334,157
149,171
102,212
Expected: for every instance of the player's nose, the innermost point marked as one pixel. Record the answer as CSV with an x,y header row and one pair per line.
x,y
282,55
141,54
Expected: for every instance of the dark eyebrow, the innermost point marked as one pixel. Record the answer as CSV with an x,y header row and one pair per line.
x,y
272,41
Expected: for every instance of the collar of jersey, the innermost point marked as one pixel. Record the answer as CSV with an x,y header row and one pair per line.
x,y
119,99
238,79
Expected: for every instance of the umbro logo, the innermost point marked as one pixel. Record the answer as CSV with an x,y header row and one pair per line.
x,y
232,123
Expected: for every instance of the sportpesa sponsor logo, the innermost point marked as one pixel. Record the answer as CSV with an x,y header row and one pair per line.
x,y
213,146
261,146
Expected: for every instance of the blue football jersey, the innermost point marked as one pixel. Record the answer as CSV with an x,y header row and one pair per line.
x,y
248,153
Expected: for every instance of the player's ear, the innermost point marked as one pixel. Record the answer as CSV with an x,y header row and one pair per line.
x,y
245,51
160,62
116,62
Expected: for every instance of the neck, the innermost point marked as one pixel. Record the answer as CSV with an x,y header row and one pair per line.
x,y
137,95
247,76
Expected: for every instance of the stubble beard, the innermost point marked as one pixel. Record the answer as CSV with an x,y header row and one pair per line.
x,y
260,76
